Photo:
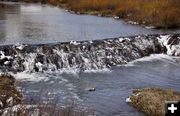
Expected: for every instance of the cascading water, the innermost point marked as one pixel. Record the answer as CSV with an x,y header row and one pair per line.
x,y
86,55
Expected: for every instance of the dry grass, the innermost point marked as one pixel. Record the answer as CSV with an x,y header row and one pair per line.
x,y
151,101
9,95
8,90
159,13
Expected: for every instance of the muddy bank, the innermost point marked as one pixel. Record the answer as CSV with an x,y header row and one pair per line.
x,y
9,95
151,101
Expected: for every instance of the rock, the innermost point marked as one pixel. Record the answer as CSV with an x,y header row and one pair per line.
x,y
91,89
128,100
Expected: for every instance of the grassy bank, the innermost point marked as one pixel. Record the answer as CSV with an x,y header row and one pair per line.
x,y
12,104
9,95
158,13
151,101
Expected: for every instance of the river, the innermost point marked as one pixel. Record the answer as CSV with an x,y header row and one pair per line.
x,y
30,23
33,24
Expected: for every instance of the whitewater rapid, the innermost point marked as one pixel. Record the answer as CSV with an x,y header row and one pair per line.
x,y
85,55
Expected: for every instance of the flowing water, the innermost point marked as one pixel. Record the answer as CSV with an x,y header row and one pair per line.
x,y
33,24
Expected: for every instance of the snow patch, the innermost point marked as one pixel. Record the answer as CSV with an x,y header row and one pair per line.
x,y
132,22
149,27
10,101
91,42
20,46
6,62
1,104
122,39
128,100
116,17
74,43
2,56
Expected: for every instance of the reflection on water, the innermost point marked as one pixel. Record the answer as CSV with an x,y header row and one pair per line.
x,y
2,26
30,23
30,9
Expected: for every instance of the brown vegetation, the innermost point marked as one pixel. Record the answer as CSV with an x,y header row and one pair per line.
x,y
158,13
8,91
151,101
9,95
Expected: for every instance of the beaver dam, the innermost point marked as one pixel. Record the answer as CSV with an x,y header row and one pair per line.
x,y
62,57
86,55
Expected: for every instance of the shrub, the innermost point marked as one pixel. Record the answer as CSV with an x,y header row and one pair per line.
x,y
158,13
151,101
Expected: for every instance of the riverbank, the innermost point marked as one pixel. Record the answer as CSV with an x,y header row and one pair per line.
x,y
151,101
9,95
11,103
162,14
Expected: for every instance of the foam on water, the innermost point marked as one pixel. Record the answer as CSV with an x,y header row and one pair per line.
x,y
105,70
48,75
57,85
153,57
25,76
